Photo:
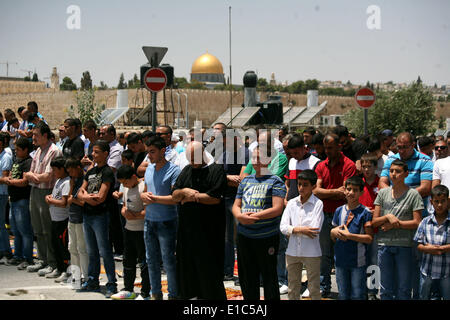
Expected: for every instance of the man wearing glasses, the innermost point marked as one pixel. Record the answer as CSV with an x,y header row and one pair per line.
x,y
441,171
420,169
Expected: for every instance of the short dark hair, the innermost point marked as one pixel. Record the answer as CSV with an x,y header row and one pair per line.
x,y
439,190
43,129
310,130
33,105
296,141
71,122
90,124
374,144
31,116
72,163
340,131
167,127
355,181
156,141
425,141
20,109
110,129
13,120
309,175
134,137
317,139
102,144
58,162
24,143
331,136
4,138
125,172
369,158
400,163
122,135
128,154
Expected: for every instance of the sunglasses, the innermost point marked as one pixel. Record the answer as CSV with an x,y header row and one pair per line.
x,y
440,147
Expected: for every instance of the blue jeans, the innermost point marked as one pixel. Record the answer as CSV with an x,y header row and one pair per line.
x,y
96,233
426,284
230,257
4,236
351,283
20,221
327,248
281,261
160,241
395,272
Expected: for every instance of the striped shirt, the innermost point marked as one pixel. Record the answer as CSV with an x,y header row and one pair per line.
x,y
420,168
41,164
256,194
430,232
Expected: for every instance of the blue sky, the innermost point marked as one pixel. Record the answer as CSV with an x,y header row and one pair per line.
x,y
297,40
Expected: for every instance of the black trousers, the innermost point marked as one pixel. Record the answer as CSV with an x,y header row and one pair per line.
x,y
60,242
258,257
134,252
116,228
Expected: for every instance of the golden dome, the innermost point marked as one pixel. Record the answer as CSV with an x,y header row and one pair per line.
x,y
207,63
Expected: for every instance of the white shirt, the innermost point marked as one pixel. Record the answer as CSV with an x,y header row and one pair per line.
x,y
182,161
441,171
380,164
276,144
309,214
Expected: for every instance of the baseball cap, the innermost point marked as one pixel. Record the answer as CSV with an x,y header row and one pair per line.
x,y
387,133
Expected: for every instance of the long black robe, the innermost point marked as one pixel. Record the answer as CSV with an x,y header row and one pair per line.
x,y
201,235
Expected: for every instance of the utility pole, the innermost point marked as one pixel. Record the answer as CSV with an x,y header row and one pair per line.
x,y
7,66
231,82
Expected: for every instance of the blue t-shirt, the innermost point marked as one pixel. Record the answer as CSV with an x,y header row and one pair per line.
x,y
256,194
160,182
5,165
351,254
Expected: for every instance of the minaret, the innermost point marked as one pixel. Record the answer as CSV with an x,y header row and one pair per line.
x,y
54,80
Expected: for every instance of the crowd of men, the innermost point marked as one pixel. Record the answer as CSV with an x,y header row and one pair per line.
x,y
186,205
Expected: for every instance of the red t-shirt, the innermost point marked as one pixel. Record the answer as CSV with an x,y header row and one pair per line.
x,y
333,178
370,193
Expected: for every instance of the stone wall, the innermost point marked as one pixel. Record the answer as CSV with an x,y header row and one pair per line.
x,y
9,86
204,105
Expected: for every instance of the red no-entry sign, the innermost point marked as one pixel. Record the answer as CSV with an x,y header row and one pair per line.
x,y
365,98
155,79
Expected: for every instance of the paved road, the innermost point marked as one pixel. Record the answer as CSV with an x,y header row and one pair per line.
x,y
22,285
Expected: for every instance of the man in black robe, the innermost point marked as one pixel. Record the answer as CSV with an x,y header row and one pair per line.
x,y
201,227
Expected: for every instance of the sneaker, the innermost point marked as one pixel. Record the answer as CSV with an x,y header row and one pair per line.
x,y
141,297
110,292
283,289
75,284
124,295
44,271
325,294
23,265
13,261
4,260
118,257
36,267
62,278
54,274
89,287
372,296
305,293
157,296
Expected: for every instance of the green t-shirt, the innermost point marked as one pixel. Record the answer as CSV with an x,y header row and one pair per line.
x,y
277,166
402,208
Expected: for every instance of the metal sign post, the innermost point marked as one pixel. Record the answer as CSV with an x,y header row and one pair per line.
x,y
154,56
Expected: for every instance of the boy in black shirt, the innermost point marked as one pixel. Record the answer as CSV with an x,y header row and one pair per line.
x,y
19,195
96,192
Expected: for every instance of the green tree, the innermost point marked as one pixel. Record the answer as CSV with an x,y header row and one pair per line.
x,y
86,81
102,86
297,87
180,83
35,77
86,108
134,83
122,84
27,78
409,109
197,85
67,84
261,84
311,84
